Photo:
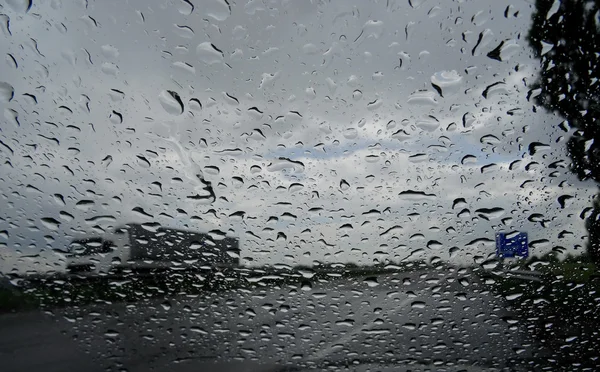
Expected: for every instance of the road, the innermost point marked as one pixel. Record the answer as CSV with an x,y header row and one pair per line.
x,y
407,321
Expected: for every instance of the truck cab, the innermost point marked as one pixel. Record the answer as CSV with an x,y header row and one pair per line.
x,y
98,254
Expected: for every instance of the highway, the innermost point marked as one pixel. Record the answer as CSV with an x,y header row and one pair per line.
x,y
428,320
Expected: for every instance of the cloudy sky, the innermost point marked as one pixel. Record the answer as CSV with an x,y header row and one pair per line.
x,y
343,130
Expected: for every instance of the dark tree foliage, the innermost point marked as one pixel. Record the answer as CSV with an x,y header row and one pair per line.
x,y
569,81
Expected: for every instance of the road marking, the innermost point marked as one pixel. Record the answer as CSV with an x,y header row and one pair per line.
x,y
330,348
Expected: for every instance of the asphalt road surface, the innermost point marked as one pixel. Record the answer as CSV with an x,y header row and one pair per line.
x,y
409,321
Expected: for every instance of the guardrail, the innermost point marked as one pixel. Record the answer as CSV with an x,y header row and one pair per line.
x,y
534,276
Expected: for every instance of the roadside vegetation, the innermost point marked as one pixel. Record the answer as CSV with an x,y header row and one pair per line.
x,y
61,290
561,311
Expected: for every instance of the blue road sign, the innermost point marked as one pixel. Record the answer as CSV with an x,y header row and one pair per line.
x,y
512,245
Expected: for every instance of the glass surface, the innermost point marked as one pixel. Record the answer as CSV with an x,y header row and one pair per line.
x,y
272,185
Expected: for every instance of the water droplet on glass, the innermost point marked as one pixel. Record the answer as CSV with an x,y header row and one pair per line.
x,y
20,6
418,158
423,98
171,102
185,67
446,82
115,117
415,195
350,133
219,10
7,92
50,223
185,7
417,305
536,147
468,159
373,105
208,53
371,281
505,50
109,51
110,69
490,213
434,244
485,37
285,164
498,88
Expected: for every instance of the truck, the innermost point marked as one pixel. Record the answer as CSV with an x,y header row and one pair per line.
x,y
138,247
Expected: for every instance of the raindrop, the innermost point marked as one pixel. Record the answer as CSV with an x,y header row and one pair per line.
x,y
357,94
513,296
434,244
21,6
468,159
116,95
446,82
415,195
110,51
428,123
423,98
285,163
171,102
50,223
111,333
295,187
372,158
490,213
208,53
418,305
344,185
563,200
541,243
495,89
306,286
536,147
185,7
166,305
231,99
219,10
489,139
141,212
11,61
184,66
107,160
184,31
199,330
373,105
401,135
5,25
418,158
142,161
465,213
7,92
110,68
553,9
350,133
116,117
195,104
505,50
485,37
371,281
468,120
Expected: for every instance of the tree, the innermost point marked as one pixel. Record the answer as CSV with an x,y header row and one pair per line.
x,y
565,36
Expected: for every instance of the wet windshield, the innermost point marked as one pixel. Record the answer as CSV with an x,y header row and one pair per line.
x,y
299,185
